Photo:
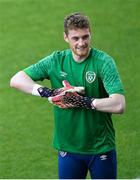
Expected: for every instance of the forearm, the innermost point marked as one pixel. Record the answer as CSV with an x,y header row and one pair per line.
x,y
22,82
113,104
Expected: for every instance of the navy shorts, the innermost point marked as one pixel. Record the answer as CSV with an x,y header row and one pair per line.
x,y
76,166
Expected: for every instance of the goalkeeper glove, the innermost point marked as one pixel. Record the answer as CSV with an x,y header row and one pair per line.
x,y
46,92
72,100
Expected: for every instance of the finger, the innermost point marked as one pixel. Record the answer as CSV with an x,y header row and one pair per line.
x,y
66,84
70,88
60,104
79,89
55,99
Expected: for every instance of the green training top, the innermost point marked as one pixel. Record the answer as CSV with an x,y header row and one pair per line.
x,y
80,130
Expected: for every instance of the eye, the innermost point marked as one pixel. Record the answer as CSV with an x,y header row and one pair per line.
x,y
85,37
75,38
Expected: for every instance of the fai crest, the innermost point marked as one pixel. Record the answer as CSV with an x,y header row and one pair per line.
x,y
90,76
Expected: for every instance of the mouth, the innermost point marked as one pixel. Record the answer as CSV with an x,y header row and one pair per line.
x,y
82,48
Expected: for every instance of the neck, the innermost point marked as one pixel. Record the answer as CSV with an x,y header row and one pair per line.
x,y
80,59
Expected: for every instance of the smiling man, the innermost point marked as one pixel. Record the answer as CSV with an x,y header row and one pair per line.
x,y
79,41
84,134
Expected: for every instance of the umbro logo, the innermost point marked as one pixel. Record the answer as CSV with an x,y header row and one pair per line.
x,y
103,157
63,74
62,153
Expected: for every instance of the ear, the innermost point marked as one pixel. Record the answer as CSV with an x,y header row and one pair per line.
x,y
66,37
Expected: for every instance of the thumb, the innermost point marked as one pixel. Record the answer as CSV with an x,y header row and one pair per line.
x,y
56,98
66,84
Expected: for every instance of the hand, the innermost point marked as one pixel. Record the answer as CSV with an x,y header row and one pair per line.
x,y
72,100
68,88
46,92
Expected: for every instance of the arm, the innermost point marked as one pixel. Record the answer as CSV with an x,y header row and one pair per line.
x,y
109,75
115,103
22,82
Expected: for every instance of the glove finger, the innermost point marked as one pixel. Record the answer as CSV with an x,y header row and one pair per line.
x,y
79,89
59,104
66,84
54,99
70,88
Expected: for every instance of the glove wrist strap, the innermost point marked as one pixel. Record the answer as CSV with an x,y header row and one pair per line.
x,y
45,92
89,103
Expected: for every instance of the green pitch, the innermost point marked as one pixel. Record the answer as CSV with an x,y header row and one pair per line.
x,y
31,29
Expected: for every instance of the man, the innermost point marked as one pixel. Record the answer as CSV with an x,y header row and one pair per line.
x,y
84,135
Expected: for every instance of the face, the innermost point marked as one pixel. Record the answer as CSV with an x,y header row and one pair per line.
x,y
79,42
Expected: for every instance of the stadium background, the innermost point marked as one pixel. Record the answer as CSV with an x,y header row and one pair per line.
x,y
30,30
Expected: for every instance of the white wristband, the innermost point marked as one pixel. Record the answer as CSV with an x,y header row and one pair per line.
x,y
35,90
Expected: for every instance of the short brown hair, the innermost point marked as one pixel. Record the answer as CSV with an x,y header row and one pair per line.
x,y
75,21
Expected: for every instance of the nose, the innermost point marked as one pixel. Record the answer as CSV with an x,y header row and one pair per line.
x,y
81,42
